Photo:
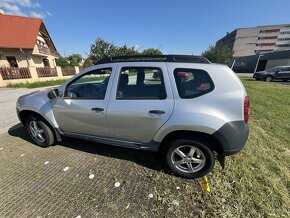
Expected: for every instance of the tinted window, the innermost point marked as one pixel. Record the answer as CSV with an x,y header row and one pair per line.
x,y
274,69
92,85
141,83
192,82
284,69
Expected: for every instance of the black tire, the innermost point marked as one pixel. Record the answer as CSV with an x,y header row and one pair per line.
x,y
203,149
268,78
47,133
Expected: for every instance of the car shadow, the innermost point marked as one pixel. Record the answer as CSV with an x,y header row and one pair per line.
x,y
147,159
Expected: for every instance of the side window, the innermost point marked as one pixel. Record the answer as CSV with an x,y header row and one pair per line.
x,y
92,85
284,69
192,82
141,83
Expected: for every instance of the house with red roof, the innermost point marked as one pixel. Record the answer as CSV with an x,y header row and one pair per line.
x,y
25,42
27,52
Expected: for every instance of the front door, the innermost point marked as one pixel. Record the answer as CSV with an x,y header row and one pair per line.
x,y
141,102
83,106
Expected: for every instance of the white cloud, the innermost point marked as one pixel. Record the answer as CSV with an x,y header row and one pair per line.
x,y
36,15
20,8
24,3
27,3
48,13
11,9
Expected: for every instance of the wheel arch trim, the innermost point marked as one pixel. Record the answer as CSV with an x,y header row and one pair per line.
x,y
23,115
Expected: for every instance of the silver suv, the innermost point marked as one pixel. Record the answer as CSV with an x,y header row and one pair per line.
x,y
184,107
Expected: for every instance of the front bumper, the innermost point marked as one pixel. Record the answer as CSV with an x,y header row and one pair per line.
x,y
232,136
259,76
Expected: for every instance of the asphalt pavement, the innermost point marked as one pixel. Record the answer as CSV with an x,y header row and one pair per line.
x,y
8,98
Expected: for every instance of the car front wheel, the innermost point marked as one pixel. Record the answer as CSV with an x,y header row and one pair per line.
x,y
40,133
190,158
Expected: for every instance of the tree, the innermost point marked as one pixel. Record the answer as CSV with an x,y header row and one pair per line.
x,y
152,51
87,63
101,49
72,60
218,53
62,61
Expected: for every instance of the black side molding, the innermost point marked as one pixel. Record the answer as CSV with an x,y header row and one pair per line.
x,y
232,136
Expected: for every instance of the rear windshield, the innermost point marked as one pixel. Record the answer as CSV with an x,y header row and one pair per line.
x,y
192,83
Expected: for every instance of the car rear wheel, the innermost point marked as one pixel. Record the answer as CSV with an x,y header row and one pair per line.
x,y
40,133
269,79
190,158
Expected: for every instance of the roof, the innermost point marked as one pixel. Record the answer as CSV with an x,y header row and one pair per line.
x,y
155,58
19,32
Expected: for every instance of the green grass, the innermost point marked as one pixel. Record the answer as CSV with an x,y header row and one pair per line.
x,y
37,84
257,180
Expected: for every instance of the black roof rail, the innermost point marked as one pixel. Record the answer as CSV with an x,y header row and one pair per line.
x,y
155,58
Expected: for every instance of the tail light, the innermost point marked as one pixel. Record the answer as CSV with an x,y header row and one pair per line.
x,y
246,109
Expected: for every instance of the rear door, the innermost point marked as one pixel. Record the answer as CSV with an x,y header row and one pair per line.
x,y
140,102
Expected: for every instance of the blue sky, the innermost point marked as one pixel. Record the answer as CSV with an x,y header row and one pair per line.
x,y
175,27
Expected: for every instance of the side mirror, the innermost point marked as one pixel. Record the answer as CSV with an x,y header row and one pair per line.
x,y
53,94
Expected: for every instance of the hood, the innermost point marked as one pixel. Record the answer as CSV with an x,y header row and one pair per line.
x,y
38,92
261,72
34,98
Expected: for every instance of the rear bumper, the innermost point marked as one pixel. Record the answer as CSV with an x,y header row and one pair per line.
x,y
232,136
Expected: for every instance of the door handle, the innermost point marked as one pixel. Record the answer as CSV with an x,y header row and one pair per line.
x,y
156,112
97,109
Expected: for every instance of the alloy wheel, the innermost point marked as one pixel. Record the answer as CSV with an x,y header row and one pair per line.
x,y
188,158
36,131
269,79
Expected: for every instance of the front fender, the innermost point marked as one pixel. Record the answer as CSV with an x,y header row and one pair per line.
x,y
39,103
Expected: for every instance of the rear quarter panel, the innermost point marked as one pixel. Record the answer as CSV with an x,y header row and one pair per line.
x,y
209,112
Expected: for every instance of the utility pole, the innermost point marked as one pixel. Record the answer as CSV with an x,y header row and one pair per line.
x,y
258,62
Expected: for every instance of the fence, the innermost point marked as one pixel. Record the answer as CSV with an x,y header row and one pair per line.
x,y
15,73
46,72
34,74
68,71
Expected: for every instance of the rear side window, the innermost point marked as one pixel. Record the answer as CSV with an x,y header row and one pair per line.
x,y
192,83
